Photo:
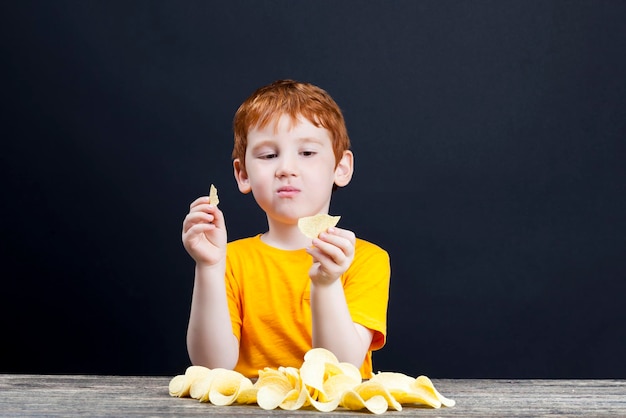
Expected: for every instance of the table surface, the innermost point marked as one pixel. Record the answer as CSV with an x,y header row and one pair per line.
x,y
74,395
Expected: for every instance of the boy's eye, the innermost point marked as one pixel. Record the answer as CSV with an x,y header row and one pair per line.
x,y
268,156
308,153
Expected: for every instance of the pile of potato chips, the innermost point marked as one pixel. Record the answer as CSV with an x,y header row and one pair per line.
x,y
322,382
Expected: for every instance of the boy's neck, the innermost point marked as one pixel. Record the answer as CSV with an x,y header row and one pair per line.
x,y
285,237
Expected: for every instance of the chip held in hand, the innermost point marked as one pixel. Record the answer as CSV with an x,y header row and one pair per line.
x,y
312,226
213,199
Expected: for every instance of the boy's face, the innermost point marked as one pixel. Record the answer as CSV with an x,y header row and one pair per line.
x,y
290,168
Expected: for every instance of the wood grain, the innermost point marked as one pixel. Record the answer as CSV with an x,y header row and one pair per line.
x,y
62,395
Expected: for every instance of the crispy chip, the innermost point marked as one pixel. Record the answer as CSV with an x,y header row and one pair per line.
x,y
200,387
368,390
213,198
248,396
181,385
320,354
336,385
408,390
226,387
280,388
312,226
218,386
323,406
315,369
352,400
295,399
177,386
423,381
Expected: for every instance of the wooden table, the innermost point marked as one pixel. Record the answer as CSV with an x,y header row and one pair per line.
x,y
123,396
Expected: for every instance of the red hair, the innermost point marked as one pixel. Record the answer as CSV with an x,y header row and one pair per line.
x,y
292,98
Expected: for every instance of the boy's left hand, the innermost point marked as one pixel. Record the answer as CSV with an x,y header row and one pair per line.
x,y
332,252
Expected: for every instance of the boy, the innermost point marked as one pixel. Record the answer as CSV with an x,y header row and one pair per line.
x,y
266,300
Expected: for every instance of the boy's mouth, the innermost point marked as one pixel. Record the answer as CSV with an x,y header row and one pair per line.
x,y
287,191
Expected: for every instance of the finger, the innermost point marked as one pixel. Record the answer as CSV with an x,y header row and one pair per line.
x,y
218,220
339,232
331,251
202,207
333,241
199,201
324,267
194,218
199,229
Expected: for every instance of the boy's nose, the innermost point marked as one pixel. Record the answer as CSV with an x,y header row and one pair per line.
x,y
287,167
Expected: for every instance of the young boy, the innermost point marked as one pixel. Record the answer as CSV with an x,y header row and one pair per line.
x,y
266,300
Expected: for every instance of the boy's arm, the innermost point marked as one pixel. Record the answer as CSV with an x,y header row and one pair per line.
x,y
333,327
210,340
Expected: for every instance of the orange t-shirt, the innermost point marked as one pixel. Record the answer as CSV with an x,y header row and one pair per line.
x,y
268,292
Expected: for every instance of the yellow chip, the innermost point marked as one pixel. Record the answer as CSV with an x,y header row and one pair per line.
x,y
200,387
295,400
312,226
336,385
280,388
425,382
248,396
226,386
213,198
408,390
322,406
180,385
353,400
321,355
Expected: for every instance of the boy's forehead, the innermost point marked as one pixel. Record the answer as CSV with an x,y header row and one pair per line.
x,y
282,122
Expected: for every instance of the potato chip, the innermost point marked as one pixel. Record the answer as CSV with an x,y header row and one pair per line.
x,y
343,368
247,396
336,385
408,390
200,387
318,365
312,226
323,406
226,387
218,386
423,381
321,355
295,399
280,388
292,374
363,397
213,198
180,385
277,393
369,389
326,379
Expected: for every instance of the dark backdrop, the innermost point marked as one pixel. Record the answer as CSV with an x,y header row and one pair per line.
x,y
489,142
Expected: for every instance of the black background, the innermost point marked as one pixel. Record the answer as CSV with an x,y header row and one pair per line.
x,y
489,142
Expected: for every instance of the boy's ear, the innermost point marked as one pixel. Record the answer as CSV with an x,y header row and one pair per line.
x,y
344,169
241,176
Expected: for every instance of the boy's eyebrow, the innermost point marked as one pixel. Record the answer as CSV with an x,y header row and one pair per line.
x,y
271,142
310,139
263,143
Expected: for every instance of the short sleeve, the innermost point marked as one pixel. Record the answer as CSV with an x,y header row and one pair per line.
x,y
366,287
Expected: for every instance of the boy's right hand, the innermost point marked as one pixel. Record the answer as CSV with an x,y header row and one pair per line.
x,y
204,232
